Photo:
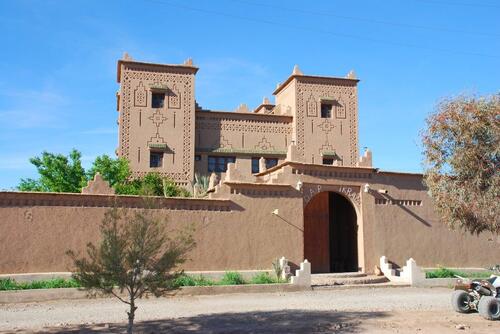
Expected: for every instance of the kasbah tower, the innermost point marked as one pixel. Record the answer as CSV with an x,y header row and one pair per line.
x,y
163,129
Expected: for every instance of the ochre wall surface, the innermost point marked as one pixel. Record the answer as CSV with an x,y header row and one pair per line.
x,y
37,229
405,230
236,229
318,136
240,135
169,129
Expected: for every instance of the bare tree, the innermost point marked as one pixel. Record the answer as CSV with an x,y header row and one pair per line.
x,y
462,151
135,255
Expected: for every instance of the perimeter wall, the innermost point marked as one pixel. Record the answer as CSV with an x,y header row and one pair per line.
x,y
237,229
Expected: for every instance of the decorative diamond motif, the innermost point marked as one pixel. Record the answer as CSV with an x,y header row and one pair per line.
x,y
326,126
158,118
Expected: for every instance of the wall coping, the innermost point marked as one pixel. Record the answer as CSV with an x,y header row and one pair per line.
x,y
14,198
304,166
216,114
257,185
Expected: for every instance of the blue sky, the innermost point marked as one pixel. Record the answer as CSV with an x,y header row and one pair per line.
x,y
58,64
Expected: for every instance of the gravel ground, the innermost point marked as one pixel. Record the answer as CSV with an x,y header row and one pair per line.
x,y
375,310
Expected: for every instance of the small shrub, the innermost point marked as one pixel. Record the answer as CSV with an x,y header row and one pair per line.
x,y
186,280
443,273
10,284
449,273
263,278
203,281
232,278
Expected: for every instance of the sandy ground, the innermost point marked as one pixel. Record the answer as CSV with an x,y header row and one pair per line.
x,y
377,310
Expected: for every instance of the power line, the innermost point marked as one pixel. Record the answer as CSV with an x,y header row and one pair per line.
x,y
362,19
321,31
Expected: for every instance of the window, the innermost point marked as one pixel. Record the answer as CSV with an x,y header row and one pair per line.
x,y
155,159
197,157
219,164
255,165
271,162
326,110
328,161
157,100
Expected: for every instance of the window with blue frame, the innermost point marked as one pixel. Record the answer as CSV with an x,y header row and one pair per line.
x,y
155,159
255,165
271,162
218,164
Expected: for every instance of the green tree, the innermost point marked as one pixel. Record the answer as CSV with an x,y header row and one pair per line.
x,y
152,184
462,166
135,256
115,171
58,173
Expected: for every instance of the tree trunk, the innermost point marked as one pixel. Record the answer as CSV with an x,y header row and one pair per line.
x,y
131,315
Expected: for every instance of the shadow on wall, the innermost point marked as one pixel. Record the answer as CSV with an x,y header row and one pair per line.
x,y
411,213
283,321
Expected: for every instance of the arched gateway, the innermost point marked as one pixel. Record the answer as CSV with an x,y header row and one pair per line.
x,y
331,233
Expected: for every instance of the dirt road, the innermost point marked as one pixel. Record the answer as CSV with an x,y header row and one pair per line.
x,y
377,310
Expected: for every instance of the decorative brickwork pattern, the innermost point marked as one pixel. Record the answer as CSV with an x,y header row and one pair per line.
x,y
140,96
400,202
227,123
333,174
340,111
174,98
264,145
136,79
312,106
340,90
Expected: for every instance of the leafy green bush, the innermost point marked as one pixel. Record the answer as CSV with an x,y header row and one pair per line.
x,y
186,280
442,273
10,284
232,278
263,278
449,273
152,184
7,284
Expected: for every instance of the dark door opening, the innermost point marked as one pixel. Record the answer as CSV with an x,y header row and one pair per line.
x,y
330,234
343,235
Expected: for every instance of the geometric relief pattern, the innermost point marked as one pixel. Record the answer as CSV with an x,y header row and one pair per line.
x,y
174,98
227,124
341,92
183,81
156,140
340,110
264,145
140,95
312,106
326,147
326,126
157,118
224,143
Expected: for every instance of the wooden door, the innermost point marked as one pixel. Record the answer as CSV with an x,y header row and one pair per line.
x,y
317,233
